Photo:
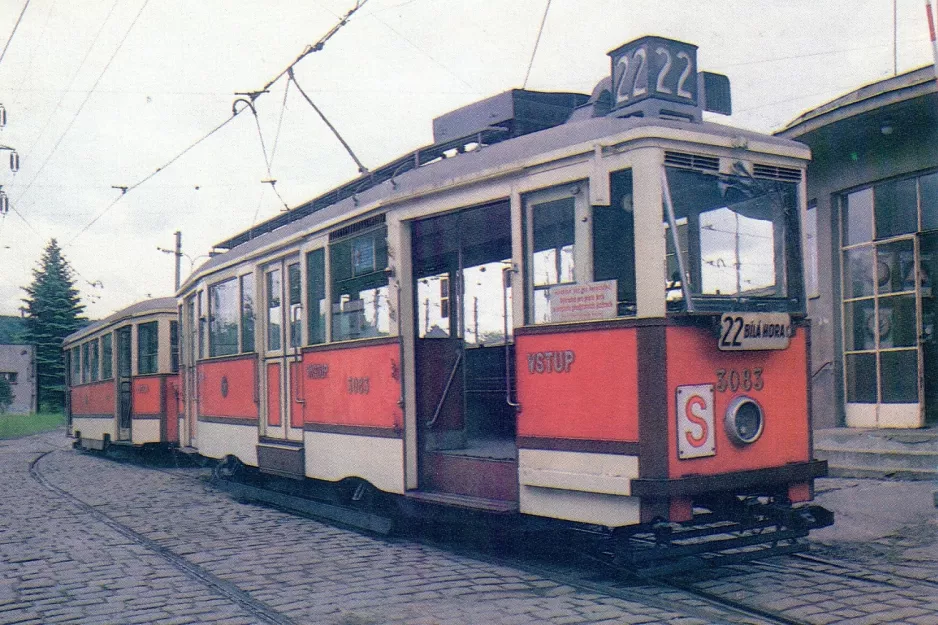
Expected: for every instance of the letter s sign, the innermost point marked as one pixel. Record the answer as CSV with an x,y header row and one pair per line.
x,y
695,433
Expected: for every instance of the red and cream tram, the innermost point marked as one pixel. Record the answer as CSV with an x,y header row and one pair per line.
x,y
585,308
123,385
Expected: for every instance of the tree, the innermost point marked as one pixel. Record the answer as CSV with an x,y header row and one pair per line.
x,y
53,311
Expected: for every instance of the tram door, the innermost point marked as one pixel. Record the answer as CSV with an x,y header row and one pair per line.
x,y
124,383
464,353
190,374
282,340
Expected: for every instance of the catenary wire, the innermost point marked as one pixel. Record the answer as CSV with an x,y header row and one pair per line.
x,y
71,82
15,26
270,176
149,176
88,97
537,41
283,108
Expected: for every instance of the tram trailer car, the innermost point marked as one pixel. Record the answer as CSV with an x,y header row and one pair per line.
x,y
587,309
122,378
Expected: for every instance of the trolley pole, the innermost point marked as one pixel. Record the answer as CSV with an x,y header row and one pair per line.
x,y
178,254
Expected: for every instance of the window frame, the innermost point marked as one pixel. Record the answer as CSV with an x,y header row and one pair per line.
x,y
154,354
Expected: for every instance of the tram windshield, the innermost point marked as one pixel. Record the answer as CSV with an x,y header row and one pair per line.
x,y
732,242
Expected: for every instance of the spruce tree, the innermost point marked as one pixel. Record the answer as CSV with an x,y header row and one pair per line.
x,y
53,311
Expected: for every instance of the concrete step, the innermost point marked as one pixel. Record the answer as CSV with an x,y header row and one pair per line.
x,y
907,464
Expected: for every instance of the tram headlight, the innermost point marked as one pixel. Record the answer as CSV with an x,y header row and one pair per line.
x,y
744,420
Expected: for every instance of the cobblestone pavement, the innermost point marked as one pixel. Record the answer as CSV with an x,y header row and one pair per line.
x,y
190,554
880,565
146,546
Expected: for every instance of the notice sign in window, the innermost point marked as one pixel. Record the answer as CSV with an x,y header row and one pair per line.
x,y
582,302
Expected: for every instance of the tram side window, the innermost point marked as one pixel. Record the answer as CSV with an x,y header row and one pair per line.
x,y
76,365
94,362
552,263
614,241
360,306
174,346
85,364
316,292
147,348
107,356
295,293
223,318
247,313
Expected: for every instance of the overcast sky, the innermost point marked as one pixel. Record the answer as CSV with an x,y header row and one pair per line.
x,y
102,93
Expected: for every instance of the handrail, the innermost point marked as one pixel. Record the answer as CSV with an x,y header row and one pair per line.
x,y
449,383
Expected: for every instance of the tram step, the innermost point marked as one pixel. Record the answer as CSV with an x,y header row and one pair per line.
x,y
908,464
463,501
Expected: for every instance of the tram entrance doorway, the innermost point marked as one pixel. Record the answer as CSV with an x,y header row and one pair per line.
x,y
464,353
124,383
280,447
283,418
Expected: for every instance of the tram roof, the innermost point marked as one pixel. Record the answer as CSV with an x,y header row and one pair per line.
x,y
457,168
157,304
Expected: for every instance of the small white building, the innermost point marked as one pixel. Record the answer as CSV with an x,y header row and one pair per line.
x,y
18,366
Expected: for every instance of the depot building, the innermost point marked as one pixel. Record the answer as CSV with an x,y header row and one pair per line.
x,y
872,253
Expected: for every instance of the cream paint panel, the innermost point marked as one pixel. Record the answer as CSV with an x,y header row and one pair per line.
x,y
95,429
333,457
589,472
900,416
650,250
861,415
217,440
599,509
145,431
401,232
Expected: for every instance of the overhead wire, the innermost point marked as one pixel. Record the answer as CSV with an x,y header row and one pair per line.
x,y
37,44
537,42
283,108
252,95
15,26
65,91
151,175
88,97
270,177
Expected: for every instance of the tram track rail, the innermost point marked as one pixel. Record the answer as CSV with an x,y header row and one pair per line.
x,y
219,586
612,581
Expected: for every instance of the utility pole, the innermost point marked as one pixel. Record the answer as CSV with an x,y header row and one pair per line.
x,y
178,254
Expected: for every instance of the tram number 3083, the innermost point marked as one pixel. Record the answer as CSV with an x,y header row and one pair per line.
x,y
733,380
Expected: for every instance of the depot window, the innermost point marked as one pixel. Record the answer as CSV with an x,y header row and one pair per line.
x,y
107,356
147,348
358,264
580,261
889,250
223,318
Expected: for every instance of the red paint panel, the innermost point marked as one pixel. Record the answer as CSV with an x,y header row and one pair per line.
x,y
578,385
693,358
297,405
354,386
93,399
273,393
226,388
146,395
173,407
